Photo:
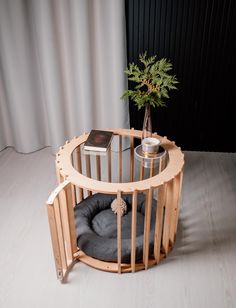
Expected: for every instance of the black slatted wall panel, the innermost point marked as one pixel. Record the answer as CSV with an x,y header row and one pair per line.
x,y
199,39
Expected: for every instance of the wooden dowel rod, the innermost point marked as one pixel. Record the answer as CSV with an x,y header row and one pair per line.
x,y
165,161
167,218
60,178
88,170
131,155
159,222
147,222
71,219
73,193
55,241
109,164
65,225
141,170
120,158
152,168
77,197
88,165
60,234
176,188
160,164
178,203
119,235
98,164
133,231
79,163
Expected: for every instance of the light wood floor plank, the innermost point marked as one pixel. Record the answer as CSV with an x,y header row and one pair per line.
x,y
200,272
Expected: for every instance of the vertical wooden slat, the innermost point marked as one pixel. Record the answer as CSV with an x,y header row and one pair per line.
x,y
88,165
160,164
109,164
154,164
60,233
159,222
60,178
167,218
120,158
73,193
176,188
131,155
98,166
74,161
141,170
147,221
133,230
119,235
55,241
71,220
152,168
165,161
88,170
65,225
178,202
79,163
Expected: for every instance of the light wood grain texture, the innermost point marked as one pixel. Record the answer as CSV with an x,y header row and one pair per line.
x,y
153,182
167,218
146,234
133,230
200,271
65,226
110,266
88,171
59,176
98,167
79,164
160,164
73,195
178,203
55,241
120,159
131,155
61,222
109,157
159,222
119,234
141,166
71,222
175,201
61,234
175,164
152,168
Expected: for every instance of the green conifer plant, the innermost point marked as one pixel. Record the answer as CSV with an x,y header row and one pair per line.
x,y
153,81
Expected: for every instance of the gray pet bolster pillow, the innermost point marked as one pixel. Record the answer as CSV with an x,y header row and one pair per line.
x,y
96,227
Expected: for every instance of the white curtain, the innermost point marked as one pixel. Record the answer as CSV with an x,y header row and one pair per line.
x,y
61,70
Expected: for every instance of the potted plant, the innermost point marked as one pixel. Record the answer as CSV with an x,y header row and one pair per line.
x,y
153,85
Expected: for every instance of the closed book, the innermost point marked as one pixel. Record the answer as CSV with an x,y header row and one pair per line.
x,y
98,140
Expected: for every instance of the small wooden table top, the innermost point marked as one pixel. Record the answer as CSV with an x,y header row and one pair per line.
x,y
73,171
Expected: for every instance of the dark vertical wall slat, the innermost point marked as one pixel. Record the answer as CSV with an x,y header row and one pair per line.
x,y
199,37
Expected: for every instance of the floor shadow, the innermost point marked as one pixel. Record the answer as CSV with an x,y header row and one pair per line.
x,y
188,244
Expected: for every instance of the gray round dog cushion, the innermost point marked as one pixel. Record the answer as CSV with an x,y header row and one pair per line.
x,y
96,227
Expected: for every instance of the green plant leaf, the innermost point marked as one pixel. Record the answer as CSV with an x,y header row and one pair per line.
x,y
153,81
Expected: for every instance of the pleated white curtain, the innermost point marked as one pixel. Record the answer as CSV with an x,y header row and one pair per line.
x,y
61,70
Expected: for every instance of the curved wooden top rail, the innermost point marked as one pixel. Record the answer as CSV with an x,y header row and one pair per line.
x,y
56,192
64,165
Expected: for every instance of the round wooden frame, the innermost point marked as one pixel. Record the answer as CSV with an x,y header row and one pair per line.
x,y
66,170
72,188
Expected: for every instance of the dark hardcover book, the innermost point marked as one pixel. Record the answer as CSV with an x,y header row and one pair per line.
x,y
98,140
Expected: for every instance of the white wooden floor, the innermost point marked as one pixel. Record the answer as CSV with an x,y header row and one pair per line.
x,y
199,272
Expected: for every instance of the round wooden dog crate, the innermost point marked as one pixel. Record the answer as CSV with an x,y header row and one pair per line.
x,y
82,174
